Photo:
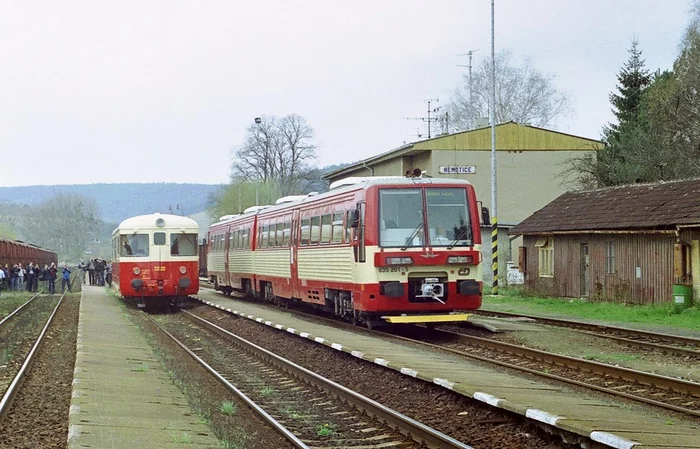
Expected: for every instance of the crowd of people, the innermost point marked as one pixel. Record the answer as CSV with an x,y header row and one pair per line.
x,y
96,271
17,277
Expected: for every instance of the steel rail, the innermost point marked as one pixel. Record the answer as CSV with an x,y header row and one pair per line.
x,y
8,397
665,382
14,312
242,396
600,329
419,432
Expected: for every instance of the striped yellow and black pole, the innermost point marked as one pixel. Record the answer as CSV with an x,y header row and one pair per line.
x,y
494,255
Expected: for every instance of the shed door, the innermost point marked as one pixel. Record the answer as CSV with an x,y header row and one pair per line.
x,y
585,275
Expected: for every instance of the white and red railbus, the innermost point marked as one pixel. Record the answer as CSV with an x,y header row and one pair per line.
x,y
372,250
156,258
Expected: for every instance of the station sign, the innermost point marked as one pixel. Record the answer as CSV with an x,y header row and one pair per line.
x,y
457,169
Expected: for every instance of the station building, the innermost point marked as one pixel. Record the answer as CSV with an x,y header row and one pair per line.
x,y
532,165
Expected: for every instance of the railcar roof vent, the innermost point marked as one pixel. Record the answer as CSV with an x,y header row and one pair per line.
x,y
358,179
254,209
290,199
227,217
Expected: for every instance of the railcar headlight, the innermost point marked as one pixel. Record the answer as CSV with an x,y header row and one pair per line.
x,y
136,270
399,261
460,259
183,269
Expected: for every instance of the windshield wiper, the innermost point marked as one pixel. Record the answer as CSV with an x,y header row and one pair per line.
x,y
412,236
460,237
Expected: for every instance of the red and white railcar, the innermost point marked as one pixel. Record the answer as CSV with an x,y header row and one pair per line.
x,y
372,250
156,258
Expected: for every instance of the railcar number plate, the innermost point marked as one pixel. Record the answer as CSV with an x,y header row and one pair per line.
x,y
389,269
158,268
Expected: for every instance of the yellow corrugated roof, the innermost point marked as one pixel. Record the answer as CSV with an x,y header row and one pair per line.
x,y
510,136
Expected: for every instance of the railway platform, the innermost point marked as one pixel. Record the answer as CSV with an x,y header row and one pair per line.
x,y
122,397
610,423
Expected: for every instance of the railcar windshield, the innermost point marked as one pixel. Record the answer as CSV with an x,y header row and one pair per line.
x,y
183,244
401,218
448,217
402,224
134,245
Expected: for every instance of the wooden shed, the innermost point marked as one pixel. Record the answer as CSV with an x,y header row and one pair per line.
x,y
634,244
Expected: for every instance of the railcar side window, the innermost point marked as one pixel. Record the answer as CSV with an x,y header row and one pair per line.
x,y
245,238
287,233
265,237
326,228
183,244
305,232
134,245
337,228
348,225
315,230
279,239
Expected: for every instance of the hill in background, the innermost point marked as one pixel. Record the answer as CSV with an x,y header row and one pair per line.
x,y
119,201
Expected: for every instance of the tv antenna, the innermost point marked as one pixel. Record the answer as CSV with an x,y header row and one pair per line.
x,y
470,53
428,119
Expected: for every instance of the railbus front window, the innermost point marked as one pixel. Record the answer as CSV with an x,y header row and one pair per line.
x,y
134,245
183,244
401,218
448,217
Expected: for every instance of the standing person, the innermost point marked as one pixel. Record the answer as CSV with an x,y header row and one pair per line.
x,y
100,265
45,277
29,276
52,278
14,279
6,271
20,277
2,279
108,273
65,282
82,266
91,271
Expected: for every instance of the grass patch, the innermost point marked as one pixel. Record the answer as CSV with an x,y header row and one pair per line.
x,y
182,438
291,413
228,408
325,430
267,391
515,301
142,368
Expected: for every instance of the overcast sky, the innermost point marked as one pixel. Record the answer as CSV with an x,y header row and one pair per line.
x,y
162,90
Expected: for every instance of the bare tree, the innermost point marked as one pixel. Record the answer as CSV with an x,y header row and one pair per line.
x,y
523,95
65,223
276,150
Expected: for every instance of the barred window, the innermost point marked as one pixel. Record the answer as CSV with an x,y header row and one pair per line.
x,y
545,251
610,257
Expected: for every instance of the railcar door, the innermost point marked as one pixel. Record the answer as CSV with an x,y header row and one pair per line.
x,y
294,256
227,248
158,256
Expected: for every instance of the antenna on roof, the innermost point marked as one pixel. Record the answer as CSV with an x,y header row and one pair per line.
x,y
428,119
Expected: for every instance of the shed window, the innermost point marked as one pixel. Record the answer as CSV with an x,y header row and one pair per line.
x,y
610,257
545,251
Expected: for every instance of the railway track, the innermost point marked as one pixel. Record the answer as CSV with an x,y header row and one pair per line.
x,y
666,392
667,343
669,393
19,338
307,409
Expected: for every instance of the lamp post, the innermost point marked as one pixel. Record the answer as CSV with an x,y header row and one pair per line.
x,y
492,113
258,121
